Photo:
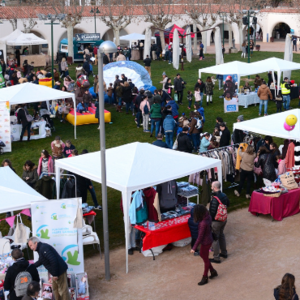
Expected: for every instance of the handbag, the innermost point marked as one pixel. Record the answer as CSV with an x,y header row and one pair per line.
x,y
20,232
28,116
175,97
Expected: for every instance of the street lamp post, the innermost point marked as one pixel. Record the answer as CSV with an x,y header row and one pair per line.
x,y
95,11
52,18
106,47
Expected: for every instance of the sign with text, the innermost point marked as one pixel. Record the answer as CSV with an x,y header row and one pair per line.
x,y
5,136
85,37
231,105
52,223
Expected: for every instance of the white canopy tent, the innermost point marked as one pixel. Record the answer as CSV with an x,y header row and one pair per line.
x,y
30,93
272,125
176,50
18,38
135,172
15,193
134,37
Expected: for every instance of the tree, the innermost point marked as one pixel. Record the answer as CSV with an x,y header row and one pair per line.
x,y
117,14
160,14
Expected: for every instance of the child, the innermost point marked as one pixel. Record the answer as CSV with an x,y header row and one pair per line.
x,y
68,148
281,165
198,96
80,107
216,134
82,286
204,142
87,98
279,104
67,72
200,110
63,109
57,147
169,87
190,99
194,231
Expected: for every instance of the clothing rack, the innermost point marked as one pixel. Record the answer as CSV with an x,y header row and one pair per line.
x,y
68,175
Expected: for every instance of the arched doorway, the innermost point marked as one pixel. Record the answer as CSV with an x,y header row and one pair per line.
x,y
109,34
280,31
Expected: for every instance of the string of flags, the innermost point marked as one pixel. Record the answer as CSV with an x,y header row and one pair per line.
x,y
11,220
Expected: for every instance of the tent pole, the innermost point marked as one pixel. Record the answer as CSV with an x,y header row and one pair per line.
x,y
57,179
220,176
75,114
103,166
273,77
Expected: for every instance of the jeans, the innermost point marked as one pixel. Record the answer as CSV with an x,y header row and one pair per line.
x,y
245,175
94,197
127,58
156,123
131,242
218,229
286,99
120,101
43,174
190,103
196,140
170,57
24,128
128,106
86,106
204,254
220,84
138,118
169,139
294,47
265,103
180,96
145,121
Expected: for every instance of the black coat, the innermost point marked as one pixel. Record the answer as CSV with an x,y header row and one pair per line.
x,y
86,67
22,117
214,204
126,94
184,143
225,138
12,272
178,86
51,260
193,226
267,163
201,86
105,60
238,136
276,294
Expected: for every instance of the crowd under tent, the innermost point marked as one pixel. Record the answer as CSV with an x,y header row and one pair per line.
x,y
135,172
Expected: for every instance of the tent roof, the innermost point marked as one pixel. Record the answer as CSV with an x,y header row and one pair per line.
x,y
276,64
137,165
25,39
133,37
11,36
15,193
272,125
30,92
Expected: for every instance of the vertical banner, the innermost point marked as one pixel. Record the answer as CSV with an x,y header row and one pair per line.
x,y
231,105
5,136
52,223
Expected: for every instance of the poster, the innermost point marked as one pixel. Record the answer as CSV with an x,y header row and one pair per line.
x,y
231,105
234,78
5,136
52,223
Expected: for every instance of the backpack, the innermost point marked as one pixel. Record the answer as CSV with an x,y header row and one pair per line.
x,y
21,283
199,123
221,212
146,109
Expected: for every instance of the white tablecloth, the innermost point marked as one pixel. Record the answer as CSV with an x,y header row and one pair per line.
x,y
39,132
245,100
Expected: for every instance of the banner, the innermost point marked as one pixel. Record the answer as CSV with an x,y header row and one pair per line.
x,y
5,135
52,223
231,105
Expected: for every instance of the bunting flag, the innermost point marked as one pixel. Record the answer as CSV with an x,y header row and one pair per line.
x,y
26,212
10,221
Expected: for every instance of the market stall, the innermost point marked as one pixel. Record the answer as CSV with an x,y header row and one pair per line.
x,y
31,93
136,172
248,99
19,39
38,131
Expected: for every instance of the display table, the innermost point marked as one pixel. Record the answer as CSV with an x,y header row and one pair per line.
x,y
245,100
135,54
39,60
281,207
170,231
38,131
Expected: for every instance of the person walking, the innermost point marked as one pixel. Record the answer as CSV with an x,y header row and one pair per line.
x,y
22,119
56,266
218,226
264,93
204,220
20,264
127,96
285,92
169,126
145,109
147,62
178,87
209,86
244,46
156,116
287,289
164,81
294,40
247,165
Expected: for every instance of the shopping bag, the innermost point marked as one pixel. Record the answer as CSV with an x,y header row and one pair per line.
x,y
20,232
175,97
78,221
288,181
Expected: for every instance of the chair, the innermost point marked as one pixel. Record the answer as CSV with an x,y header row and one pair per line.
x,y
91,239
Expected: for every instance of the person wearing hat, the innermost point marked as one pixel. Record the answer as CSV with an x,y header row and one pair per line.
x,y
164,81
184,142
178,87
238,135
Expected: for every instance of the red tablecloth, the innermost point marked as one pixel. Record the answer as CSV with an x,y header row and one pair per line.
x,y
170,231
284,206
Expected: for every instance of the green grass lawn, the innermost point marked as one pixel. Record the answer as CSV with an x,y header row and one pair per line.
x,y
123,130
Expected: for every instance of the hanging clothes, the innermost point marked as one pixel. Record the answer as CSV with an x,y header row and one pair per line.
x,y
285,148
150,194
205,195
138,212
68,189
290,156
297,154
44,186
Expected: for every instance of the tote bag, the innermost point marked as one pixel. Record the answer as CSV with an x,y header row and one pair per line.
x,y
288,181
20,232
175,97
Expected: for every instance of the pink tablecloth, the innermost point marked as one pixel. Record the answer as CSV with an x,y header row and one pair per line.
x,y
284,206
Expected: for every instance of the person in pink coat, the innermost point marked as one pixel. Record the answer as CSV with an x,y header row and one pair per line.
x,y
45,165
281,165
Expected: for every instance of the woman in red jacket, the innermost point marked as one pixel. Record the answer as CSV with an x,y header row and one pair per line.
x,y
205,238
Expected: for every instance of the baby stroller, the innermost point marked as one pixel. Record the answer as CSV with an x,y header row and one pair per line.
x,y
45,114
1,147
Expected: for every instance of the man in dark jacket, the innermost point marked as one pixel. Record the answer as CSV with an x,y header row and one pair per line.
x,y
218,226
159,142
178,87
22,119
238,135
56,266
201,85
184,142
147,62
105,60
20,265
86,67
164,97
225,137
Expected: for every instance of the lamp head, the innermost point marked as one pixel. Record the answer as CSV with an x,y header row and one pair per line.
x,y
244,11
108,47
92,11
97,11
